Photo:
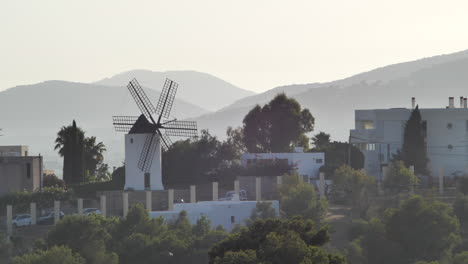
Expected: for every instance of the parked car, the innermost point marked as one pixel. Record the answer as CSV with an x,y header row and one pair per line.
x,y
230,195
49,218
22,220
89,211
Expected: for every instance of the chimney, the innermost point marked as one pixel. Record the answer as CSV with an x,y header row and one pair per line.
x,y
465,103
461,101
451,103
413,102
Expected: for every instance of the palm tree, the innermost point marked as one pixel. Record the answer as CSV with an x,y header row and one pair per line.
x,y
93,154
70,146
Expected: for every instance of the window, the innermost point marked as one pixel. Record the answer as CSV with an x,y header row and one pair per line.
x,y
368,124
319,161
450,147
370,146
131,140
147,180
28,170
449,125
233,219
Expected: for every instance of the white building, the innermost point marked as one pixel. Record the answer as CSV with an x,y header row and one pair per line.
x,y
306,164
379,134
225,213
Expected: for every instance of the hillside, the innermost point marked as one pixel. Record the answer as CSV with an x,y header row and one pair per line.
x,y
195,87
33,114
430,80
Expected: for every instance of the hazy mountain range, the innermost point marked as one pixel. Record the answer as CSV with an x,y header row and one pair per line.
x,y
32,114
431,80
194,87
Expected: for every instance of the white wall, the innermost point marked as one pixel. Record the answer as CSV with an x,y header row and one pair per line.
x,y
218,212
134,177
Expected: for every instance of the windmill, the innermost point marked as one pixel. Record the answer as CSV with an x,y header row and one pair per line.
x,y
146,132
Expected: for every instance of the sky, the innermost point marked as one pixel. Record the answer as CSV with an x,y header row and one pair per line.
x,y
254,44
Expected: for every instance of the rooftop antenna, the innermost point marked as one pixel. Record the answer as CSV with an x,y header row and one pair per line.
x,y
157,128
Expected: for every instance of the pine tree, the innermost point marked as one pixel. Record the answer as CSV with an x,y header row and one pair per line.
x,y
414,146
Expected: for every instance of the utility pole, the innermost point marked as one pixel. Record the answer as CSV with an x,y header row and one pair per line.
x,y
349,149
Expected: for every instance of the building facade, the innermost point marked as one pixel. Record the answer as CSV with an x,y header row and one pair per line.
x,y
307,165
18,171
379,135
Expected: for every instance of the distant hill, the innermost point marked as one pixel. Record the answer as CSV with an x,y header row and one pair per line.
x,y
430,80
195,87
33,114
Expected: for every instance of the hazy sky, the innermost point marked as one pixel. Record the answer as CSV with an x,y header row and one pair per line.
x,y
253,44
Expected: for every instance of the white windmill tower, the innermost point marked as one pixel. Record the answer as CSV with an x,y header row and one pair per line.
x,y
144,136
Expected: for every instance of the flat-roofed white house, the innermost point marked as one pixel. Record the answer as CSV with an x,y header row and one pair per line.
x,y
379,135
228,214
306,164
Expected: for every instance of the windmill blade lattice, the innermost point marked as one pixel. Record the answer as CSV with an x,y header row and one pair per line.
x,y
124,123
181,128
167,142
166,99
147,153
143,102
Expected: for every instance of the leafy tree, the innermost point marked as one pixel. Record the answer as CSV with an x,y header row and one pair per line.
x,y
55,255
460,258
277,126
336,155
425,229
199,157
399,177
51,180
353,186
460,208
298,198
276,241
419,229
263,210
414,151
321,140
70,146
86,235
230,257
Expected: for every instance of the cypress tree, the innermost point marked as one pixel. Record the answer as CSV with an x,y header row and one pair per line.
x,y
414,146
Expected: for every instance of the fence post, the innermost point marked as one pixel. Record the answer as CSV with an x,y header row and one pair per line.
x,y
9,220
441,181
258,189
56,212
193,194
215,191
237,187
80,206
149,205
125,204
322,185
33,213
103,206
170,199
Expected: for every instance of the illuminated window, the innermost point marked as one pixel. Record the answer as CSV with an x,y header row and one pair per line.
x,y
369,124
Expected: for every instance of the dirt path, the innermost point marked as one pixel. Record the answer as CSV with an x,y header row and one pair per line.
x,y
339,218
